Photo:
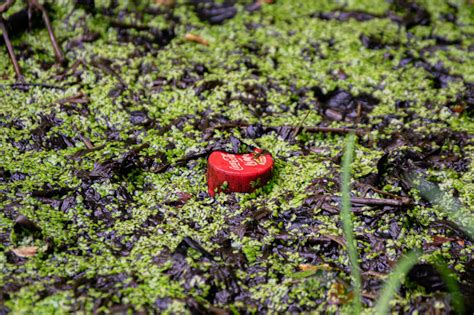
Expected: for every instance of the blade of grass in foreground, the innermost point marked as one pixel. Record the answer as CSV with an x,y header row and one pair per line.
x,y
451,206
452,285
347,221
394,280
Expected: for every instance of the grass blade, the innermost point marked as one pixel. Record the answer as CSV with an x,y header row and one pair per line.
x,y
394,281
346,217
452,207
450,280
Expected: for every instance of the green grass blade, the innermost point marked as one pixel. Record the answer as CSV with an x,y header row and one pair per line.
x,y
451,206
346,217
450,280
394,281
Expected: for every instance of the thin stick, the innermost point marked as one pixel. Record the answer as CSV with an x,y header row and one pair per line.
x,y
25,85
11,52
78,98
5,6
338,130
369,295
378,191
378,201
181,161
137,27
297,130
101,64
57,49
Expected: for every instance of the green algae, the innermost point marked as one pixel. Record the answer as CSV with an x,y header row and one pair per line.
x,y
286,30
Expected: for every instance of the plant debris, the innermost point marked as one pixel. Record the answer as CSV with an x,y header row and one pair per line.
x,y
28,251
103,196
196,38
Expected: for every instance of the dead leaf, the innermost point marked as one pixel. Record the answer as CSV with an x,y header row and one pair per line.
x,y
184,196
196,38
458,108
306,267
27,251
338,294
439,240
166,3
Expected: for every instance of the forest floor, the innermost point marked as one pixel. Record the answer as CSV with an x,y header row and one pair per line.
x,y
103,194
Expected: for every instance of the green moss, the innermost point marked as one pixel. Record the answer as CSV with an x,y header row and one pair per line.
x,y
292,50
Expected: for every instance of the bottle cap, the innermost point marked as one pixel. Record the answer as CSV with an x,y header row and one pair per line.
x,y
227,172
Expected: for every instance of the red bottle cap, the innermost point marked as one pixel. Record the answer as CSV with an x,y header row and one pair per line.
x,y
227,172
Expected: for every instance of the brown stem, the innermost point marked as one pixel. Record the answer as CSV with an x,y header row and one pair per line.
x,y
57,49
78,99
338,130
23,85
11,52
337,239
123,25
297,130
102,64
181,162
5,6
369,295
378,201
374,274
380,192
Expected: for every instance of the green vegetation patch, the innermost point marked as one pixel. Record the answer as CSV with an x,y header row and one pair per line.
x,y
103,160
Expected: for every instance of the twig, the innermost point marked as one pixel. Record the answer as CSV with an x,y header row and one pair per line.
x,y
8,43
123,25
329,208
73,67
230,125
400,202
374,274
58,53
337,239
378,201
180,162
378,191
77,99
26,85
5,6
87,142
81,152
369,295
338,130
297,130
102,64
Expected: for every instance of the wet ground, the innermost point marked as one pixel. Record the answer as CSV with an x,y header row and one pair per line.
x,y
102,161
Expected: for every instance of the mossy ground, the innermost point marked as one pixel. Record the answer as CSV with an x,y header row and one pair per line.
x,y
114,224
